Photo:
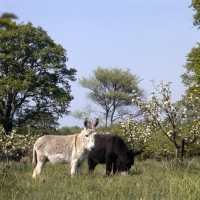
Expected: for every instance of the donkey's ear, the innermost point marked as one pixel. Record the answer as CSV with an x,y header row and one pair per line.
x,y
96,122
85,122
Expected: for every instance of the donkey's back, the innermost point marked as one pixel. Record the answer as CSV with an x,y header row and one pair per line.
x,y
56,149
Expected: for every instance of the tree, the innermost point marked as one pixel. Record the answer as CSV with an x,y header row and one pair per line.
x,y
111,89
16,145
196,7
45,124
191,78
65,130
169,117
136,133
34,77
6,22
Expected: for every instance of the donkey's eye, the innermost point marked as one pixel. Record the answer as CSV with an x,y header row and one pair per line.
x,y
86,135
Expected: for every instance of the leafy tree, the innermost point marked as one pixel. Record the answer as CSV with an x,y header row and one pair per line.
x,y
111,89
196,7
45,124
65,130
6,22
83,114
34,77
114,128
191,78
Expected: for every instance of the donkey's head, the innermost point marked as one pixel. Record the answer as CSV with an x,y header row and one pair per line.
x,y
126,160
88,134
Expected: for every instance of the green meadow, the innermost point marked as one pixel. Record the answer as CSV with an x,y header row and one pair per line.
x,y
147,180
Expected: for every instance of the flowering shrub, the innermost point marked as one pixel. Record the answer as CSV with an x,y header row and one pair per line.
x,y
136,133
169,117
13,144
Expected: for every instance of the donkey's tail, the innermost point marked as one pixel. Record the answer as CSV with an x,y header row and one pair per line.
x,y
34,161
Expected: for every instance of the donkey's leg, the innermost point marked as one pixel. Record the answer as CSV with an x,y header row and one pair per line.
x,y
108,167
79,167
108,164
40,163
114,167
74,166
91,165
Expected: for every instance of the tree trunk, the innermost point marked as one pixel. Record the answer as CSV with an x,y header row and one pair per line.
x,y
179,153
182,150
7,125
176,153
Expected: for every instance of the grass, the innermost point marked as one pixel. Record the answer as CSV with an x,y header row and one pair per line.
x,y
147,180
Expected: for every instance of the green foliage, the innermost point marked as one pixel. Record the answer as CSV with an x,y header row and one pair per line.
x,y
81,114
196,7
34,78
148,180
112,129
191,77
158,147
6,22
45,124
111,89
65,130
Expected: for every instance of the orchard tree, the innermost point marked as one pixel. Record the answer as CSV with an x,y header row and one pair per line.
x,y
139,134
34,77
16,145
111,89
170,117
136,133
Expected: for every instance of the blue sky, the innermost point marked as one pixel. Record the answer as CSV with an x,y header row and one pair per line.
x,y
152,38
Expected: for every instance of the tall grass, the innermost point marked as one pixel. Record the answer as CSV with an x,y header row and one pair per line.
x,y
147,180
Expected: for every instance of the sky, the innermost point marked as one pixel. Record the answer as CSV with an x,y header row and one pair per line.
x,y
152,38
